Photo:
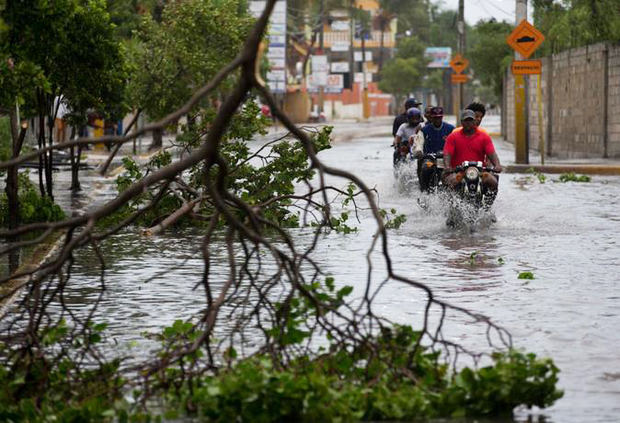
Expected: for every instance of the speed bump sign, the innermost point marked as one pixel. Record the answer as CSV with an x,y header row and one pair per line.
x,y
525,39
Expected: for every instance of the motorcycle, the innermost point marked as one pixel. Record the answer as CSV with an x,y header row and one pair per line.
x,y
402,153
428,165
472,202
404,171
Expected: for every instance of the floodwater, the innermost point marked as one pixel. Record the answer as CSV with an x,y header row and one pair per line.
x,y
566,234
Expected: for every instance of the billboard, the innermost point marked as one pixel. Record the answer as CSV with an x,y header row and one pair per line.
x,y
276,48
439,56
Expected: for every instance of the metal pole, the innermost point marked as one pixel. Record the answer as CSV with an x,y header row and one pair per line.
x,y
321,45
521,141
351,46
365,105
461,48
606,101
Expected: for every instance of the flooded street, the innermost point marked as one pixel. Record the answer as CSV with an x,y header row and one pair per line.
x,y
566,234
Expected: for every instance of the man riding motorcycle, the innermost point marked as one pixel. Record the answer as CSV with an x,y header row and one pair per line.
x,y
469,144
435,135
409,132
402,118
479,112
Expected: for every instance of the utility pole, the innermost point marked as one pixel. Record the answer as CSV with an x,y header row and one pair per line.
x,y
521,99
363,33
461,49
321,47
351,46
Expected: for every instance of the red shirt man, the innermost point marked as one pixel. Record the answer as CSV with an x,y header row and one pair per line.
x,y
462,147
470,144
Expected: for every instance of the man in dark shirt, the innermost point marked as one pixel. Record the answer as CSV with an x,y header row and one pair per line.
x,y
402,118
435,135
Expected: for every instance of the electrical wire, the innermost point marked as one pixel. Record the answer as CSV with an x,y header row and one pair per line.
x,y
490,2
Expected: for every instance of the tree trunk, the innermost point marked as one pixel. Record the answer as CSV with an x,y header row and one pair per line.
x,y
158,140
75,165
49,183
42,157
12,187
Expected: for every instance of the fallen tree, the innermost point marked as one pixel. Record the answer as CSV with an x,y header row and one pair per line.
x,y
277,338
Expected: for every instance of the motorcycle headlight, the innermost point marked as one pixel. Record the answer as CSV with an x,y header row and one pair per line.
x,y
472,174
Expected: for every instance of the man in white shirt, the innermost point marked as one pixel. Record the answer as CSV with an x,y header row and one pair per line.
x,y
60,108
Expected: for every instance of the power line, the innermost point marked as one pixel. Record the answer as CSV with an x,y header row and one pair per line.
x,y
509,14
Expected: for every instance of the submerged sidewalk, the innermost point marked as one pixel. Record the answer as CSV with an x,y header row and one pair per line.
x,y
506,151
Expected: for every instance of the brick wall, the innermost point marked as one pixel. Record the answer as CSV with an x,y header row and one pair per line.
x,y
576,85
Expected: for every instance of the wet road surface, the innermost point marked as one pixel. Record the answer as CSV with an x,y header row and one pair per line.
x,y
566,234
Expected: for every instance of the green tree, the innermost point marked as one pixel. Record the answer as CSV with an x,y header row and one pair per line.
x,y
410,47
406,70
172,58
575,23
412,16
489,54
400,76
74,46
443,27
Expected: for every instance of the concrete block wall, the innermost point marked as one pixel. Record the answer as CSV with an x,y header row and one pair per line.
x,y
613,103
576,87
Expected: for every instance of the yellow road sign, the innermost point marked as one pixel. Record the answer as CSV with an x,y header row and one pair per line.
x,y
525,39
459,63
526,67
459,78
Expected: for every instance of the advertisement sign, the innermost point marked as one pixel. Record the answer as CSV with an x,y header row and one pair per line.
x,y
335,83
340,67
340,26
357,56
276,48
277,86
319,63
439,57
275,52
340,45
277,63
276,75
277,29
277,39
359,77
315,80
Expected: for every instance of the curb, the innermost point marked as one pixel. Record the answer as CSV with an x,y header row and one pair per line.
x,y
41,253
565,168
350,136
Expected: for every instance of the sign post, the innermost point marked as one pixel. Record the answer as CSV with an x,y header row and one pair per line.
x,y
524,40
458,65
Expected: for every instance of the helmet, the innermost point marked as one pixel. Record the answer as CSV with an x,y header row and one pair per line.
x,y
411,102
413,112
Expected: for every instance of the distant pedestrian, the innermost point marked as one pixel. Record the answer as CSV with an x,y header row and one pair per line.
x,y
60,110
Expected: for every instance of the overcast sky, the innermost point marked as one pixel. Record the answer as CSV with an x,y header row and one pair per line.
x,y
501,10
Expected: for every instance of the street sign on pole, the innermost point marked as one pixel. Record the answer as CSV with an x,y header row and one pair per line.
x,y
459,63
526,67
459,78
525,39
